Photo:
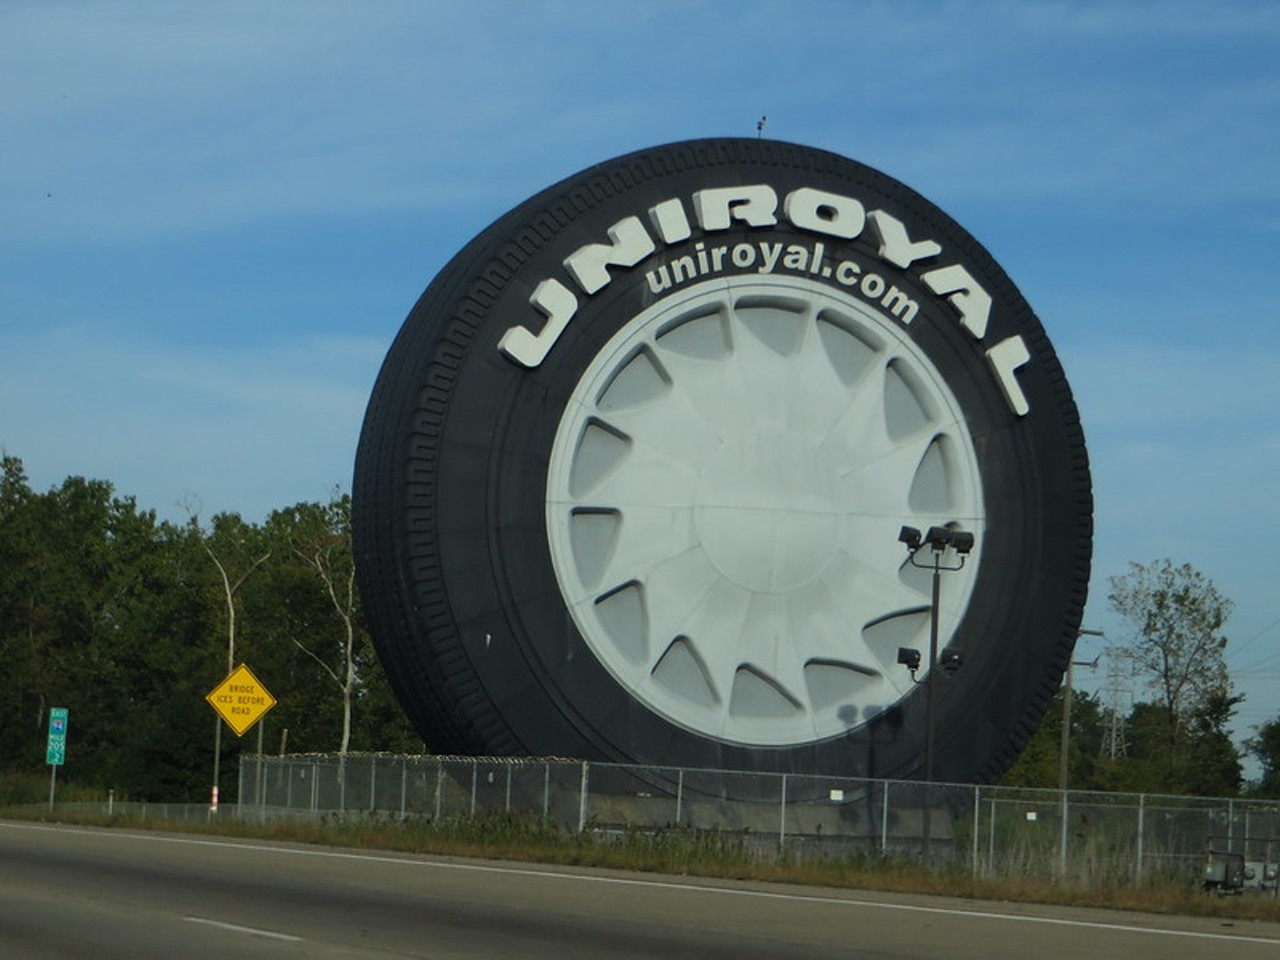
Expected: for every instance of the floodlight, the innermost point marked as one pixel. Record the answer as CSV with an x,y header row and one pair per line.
x,y
938,538
910,536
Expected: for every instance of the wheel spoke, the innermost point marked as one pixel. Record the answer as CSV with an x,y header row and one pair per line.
x,y
672,429
642,476
881,485
649,538
714,628
818,396
684,581
858,433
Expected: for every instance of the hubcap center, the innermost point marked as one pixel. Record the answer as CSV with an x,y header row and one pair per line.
x,y
767,510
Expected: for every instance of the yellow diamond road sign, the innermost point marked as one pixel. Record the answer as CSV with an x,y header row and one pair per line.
x,y
241,700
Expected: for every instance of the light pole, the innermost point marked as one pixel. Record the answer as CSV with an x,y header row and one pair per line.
x,y
939,540
1066,709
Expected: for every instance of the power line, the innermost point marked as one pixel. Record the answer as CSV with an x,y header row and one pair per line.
x,y
1265,660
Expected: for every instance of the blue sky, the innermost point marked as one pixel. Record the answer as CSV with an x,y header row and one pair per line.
x,y
216,216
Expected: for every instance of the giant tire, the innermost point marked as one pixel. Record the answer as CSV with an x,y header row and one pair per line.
x,y
674,539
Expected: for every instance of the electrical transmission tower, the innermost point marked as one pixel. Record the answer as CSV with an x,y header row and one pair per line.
x,y
1118,697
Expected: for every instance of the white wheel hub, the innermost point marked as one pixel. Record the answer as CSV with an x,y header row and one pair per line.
x,y
723,502
766,510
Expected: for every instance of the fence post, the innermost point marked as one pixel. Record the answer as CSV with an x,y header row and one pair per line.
x,y
582,799
884,817
260,781
475,773
1142,819
546,791
404,784
679,795
508,806
782,816
315,786
991,840
439,788
977,823
1062,838
373,784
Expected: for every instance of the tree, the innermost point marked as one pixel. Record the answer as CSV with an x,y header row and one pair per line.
x,y
1264,746
24,631
1038,766
1211,766
313,633
236,549
1175,616
98,613
319,536
129,622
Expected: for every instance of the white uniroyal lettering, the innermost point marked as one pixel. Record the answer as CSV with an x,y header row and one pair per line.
x,y
670,220
589,265
632,240
900,305
557,303
895,246
754,205
770,253
823,212
964,293
1006,357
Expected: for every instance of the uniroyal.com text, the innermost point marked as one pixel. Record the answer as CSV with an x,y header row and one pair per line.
x,y
765,257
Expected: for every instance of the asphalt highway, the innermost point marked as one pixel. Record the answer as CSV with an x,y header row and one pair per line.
x,y
69,893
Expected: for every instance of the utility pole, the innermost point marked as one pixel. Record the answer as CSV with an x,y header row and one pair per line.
x,y
1066,709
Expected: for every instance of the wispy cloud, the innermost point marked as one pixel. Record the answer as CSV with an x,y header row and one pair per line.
x,y
243,113
245,429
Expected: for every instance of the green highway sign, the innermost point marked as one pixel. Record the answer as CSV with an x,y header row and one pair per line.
x,y
56,751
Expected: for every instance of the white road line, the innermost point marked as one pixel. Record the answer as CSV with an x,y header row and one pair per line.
x,y
406,861
236,928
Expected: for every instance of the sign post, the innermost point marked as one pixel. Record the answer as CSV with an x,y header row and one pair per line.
x,y
241,701
55,753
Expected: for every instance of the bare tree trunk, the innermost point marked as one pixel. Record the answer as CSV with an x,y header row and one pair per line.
x,y
343,598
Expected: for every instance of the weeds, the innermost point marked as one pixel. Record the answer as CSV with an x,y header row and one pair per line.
x,y
18,789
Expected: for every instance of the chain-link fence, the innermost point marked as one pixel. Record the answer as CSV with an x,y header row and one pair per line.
x,y
1074,836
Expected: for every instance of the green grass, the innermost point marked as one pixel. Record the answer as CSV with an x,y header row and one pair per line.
x,y
17,789
684,852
